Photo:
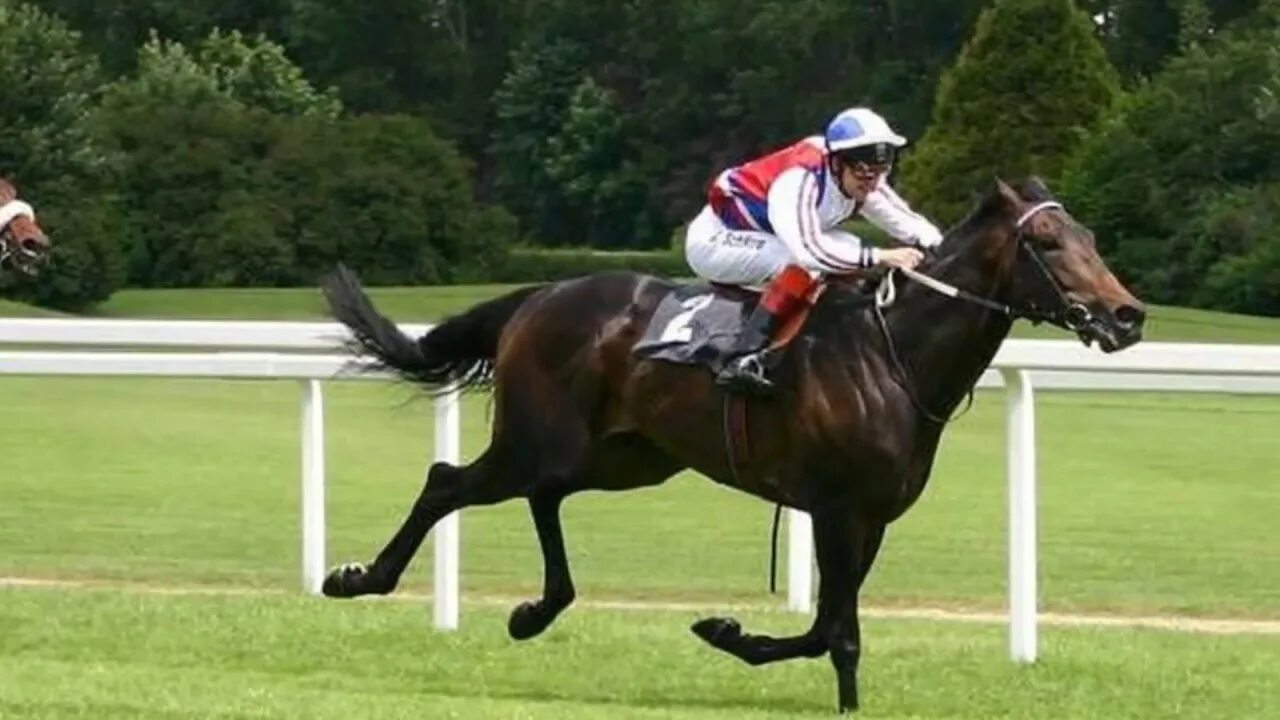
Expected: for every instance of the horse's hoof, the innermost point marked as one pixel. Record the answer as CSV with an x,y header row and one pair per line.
x,y
717,632
346,581
527,620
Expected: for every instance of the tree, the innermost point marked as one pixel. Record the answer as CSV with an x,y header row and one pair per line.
x,y
1142,35
1243,227
1167,179
440,59
1028,88
47,91
115,28
588,162
188,131
531,107
250,72
386,196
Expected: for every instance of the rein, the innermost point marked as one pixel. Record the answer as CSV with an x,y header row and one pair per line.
x,y
1071,315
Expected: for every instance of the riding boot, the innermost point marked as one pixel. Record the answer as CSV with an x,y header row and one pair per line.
x,y
746,371
787,293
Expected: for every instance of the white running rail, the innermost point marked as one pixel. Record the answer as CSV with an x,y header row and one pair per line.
x,y
307,352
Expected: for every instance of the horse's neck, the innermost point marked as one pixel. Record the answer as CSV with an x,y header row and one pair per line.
x,y
947,343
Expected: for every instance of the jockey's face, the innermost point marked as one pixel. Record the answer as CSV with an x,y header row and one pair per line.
x,y
859,179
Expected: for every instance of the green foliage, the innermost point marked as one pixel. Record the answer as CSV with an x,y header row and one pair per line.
x,y
531,106
693,86
588,162
258,74
175,164
1190,156
114,29
1142,35
235,172
254,73
46,93
1244,226
220,157
1027,89
384,195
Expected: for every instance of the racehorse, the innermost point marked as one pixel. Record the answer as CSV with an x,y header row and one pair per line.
x,y
850,437
22,243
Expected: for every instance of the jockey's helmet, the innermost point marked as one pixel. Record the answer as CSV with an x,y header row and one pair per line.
x,y
859,135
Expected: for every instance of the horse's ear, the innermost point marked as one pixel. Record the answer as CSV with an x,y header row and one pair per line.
x,y
1010,195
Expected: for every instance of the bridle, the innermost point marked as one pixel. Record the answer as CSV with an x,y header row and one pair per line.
x,y
1069,314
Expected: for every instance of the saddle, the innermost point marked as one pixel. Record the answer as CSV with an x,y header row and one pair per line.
x,y
699,324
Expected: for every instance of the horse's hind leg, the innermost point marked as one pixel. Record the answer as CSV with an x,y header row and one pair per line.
x,y
618,462
448,488
531,618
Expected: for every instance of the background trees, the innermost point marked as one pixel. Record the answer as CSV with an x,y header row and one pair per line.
x,y
187,142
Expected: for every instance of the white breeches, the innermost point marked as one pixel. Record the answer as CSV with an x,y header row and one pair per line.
x,y
740,257
733,257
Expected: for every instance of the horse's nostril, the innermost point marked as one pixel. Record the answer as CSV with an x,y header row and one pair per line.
x,y
1129,316
31,245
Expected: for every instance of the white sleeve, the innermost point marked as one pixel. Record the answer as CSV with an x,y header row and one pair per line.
x,y
793,212
890,212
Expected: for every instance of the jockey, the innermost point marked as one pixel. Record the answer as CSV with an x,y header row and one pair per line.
x,y
772,222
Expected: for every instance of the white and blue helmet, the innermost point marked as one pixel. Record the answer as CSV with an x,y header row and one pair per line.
x,y
861,135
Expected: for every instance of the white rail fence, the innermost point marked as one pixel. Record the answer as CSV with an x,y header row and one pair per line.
x,y
307,352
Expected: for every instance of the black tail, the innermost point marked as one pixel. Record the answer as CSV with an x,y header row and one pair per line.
x,y
457,353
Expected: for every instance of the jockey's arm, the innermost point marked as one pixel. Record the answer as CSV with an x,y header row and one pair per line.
x,y
793,212
891,213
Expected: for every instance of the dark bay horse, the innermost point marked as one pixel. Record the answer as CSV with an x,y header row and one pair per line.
x,y
850,437
22,243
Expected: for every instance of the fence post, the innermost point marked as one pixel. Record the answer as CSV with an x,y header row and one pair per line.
x,y
313,530
1021,458
799,561
446,532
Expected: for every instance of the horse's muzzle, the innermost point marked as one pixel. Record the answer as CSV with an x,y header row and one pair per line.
x,y
26,255
1114,329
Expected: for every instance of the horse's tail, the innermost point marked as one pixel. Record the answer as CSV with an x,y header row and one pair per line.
x,y
457,353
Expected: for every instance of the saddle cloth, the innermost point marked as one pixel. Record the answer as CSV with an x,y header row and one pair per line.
x,y
697,324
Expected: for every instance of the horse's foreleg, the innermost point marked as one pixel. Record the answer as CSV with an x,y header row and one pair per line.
x,y
849,559
531,618
448,488
726,634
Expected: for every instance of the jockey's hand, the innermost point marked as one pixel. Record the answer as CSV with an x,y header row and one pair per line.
x,y
901,257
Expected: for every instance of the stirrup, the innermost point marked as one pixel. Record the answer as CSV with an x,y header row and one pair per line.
x,y
746,374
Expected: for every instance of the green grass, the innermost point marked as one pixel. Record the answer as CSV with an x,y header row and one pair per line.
x,y
423,304
9,308
1149,503
121,655
1168,324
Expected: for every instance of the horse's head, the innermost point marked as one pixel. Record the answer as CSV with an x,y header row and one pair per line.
x,y
1053,271
22,243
